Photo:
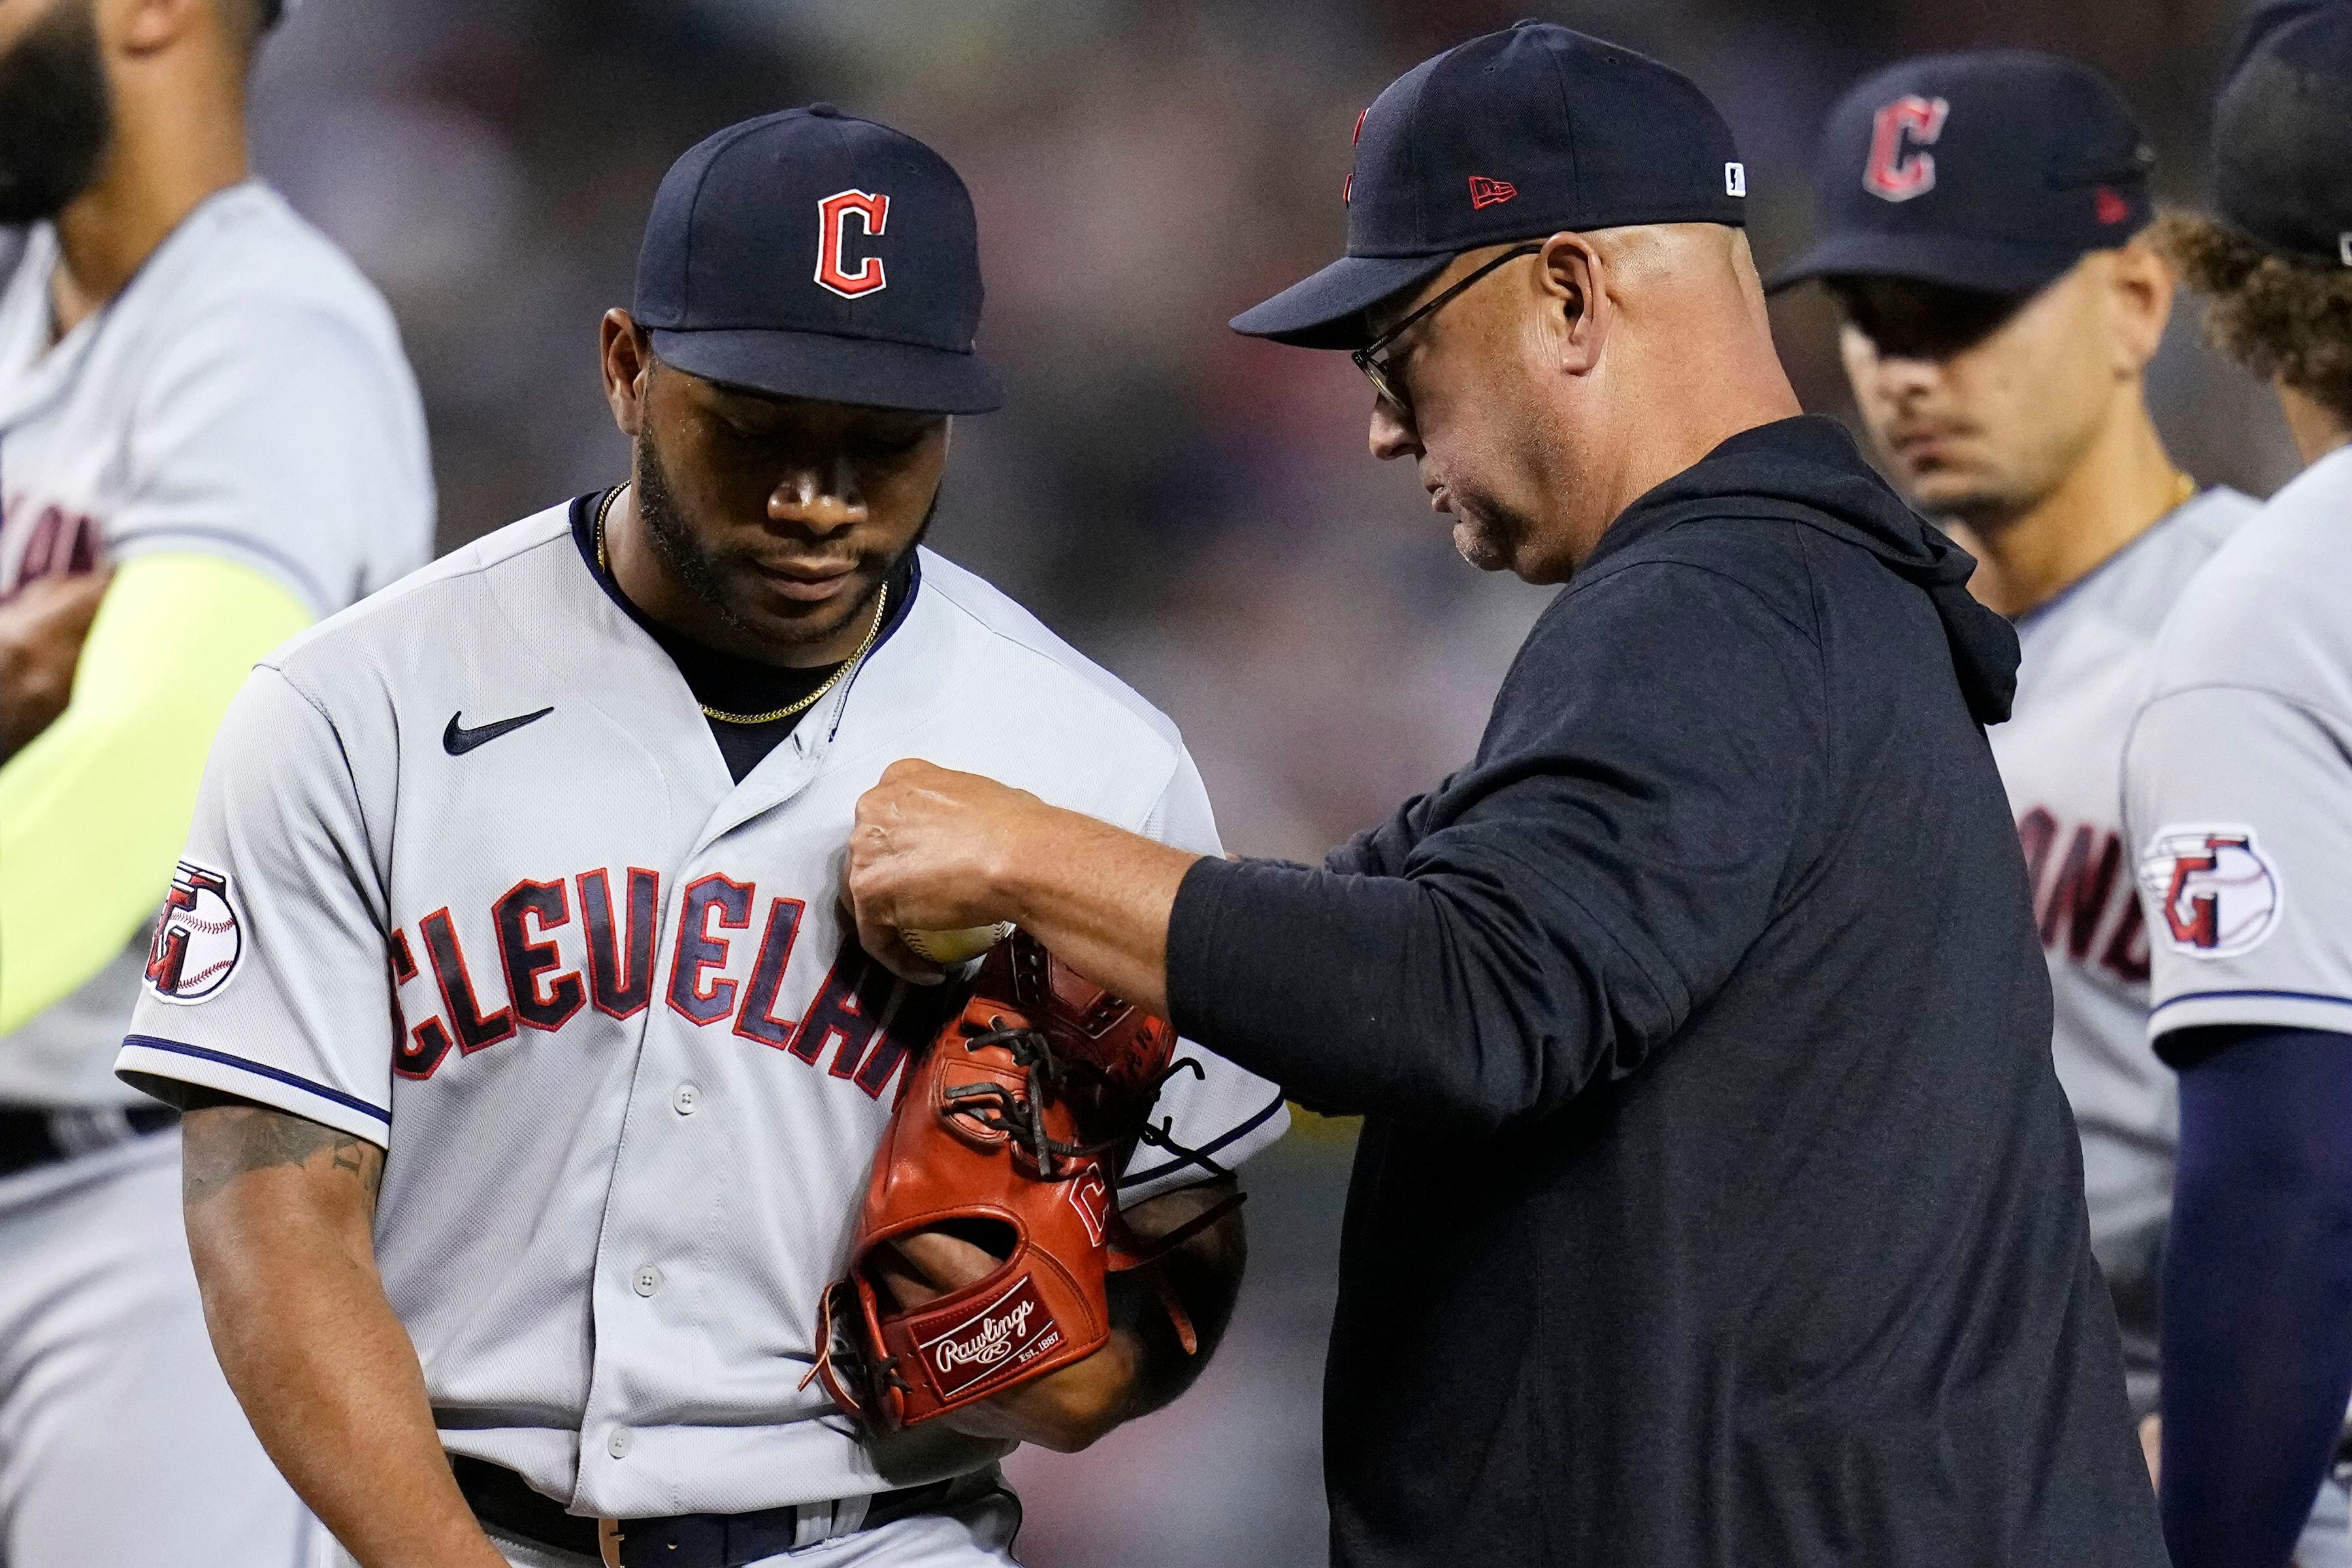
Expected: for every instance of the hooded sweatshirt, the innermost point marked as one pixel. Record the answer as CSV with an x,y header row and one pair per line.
x,y
1717,1201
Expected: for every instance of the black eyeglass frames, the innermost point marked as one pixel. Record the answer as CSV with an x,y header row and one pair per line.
x,y
1368,359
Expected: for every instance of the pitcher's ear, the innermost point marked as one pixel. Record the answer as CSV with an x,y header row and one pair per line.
x,y
628,361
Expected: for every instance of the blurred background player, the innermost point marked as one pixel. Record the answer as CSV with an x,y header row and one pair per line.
x,y
1985,220
208,439
2238,795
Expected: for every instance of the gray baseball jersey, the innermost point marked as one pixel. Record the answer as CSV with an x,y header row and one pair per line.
x,y
469,879
2237,787
2085,663
243,395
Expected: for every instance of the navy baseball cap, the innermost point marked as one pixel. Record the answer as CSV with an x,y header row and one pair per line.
x,y
1514,135
2255,28
813,254
1992,170
2282,140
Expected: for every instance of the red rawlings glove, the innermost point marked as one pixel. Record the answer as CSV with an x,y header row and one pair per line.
x,y
1010,1133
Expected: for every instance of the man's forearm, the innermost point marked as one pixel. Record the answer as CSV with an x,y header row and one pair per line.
x,y
1355,992
298,1316
1100,897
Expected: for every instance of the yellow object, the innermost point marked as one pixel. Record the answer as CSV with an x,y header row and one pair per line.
x,y
95,811
955,946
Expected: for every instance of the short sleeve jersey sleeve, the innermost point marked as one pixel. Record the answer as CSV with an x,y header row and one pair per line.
x,y
1220,1113
267,976
285,437
2239,802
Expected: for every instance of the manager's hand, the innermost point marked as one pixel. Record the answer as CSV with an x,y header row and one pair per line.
x,y
933,849
929,852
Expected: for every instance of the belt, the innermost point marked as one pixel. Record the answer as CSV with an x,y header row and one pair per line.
x,y
499,1497
40,1135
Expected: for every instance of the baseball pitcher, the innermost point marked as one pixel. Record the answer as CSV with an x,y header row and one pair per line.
x,y
539,1088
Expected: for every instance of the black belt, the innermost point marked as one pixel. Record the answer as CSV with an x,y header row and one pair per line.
x,y
31,1136
503,1499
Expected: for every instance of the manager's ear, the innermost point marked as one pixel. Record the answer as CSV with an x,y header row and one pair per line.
x,y
1571,275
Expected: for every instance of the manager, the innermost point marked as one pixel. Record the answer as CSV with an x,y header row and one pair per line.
x,y
1717,1201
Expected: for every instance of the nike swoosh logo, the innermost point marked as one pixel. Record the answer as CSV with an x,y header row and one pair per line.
x,y
456,739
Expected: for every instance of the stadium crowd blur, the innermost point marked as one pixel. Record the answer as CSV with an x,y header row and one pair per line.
x,y
1194,509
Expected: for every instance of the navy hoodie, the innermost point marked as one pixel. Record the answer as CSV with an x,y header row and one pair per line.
x,y
1717,1203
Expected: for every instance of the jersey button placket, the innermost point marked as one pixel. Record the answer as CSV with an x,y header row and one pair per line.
x,y
687,1099
619,1444
647,1280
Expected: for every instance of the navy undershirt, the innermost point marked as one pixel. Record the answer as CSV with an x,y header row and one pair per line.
x,y
725,680
2257,1317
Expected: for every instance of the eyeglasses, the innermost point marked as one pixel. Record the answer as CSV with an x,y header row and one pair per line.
x,y
1370,359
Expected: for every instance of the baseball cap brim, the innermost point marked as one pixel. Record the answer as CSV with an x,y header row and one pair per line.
x,y
1327,310
825,367
1989,265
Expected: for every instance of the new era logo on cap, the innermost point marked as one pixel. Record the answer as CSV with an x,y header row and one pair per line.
x,y
1486,193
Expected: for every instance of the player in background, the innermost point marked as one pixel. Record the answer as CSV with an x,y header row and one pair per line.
x,y
526,1137
208,439
2238,791
1985,240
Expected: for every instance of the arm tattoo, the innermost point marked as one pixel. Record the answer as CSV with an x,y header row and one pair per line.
x,y
226,1138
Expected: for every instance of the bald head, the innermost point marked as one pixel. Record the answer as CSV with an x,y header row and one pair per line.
x,y
1547,399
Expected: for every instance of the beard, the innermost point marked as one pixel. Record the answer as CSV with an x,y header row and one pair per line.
x,y
55,120
706,575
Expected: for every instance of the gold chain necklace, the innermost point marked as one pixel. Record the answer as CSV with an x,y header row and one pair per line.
x,y
881,608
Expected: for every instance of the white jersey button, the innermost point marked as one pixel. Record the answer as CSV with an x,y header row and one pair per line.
x,y
648,1280
687,1101
618,1444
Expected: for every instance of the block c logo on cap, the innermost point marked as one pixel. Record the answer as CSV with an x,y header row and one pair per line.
x,y
833,213
1897,170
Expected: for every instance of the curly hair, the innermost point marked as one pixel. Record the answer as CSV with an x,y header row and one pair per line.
x,y
2281,318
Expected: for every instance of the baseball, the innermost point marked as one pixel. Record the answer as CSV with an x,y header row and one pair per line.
x,y
947,947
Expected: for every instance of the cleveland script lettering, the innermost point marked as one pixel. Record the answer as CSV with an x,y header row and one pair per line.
x,y
547,964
